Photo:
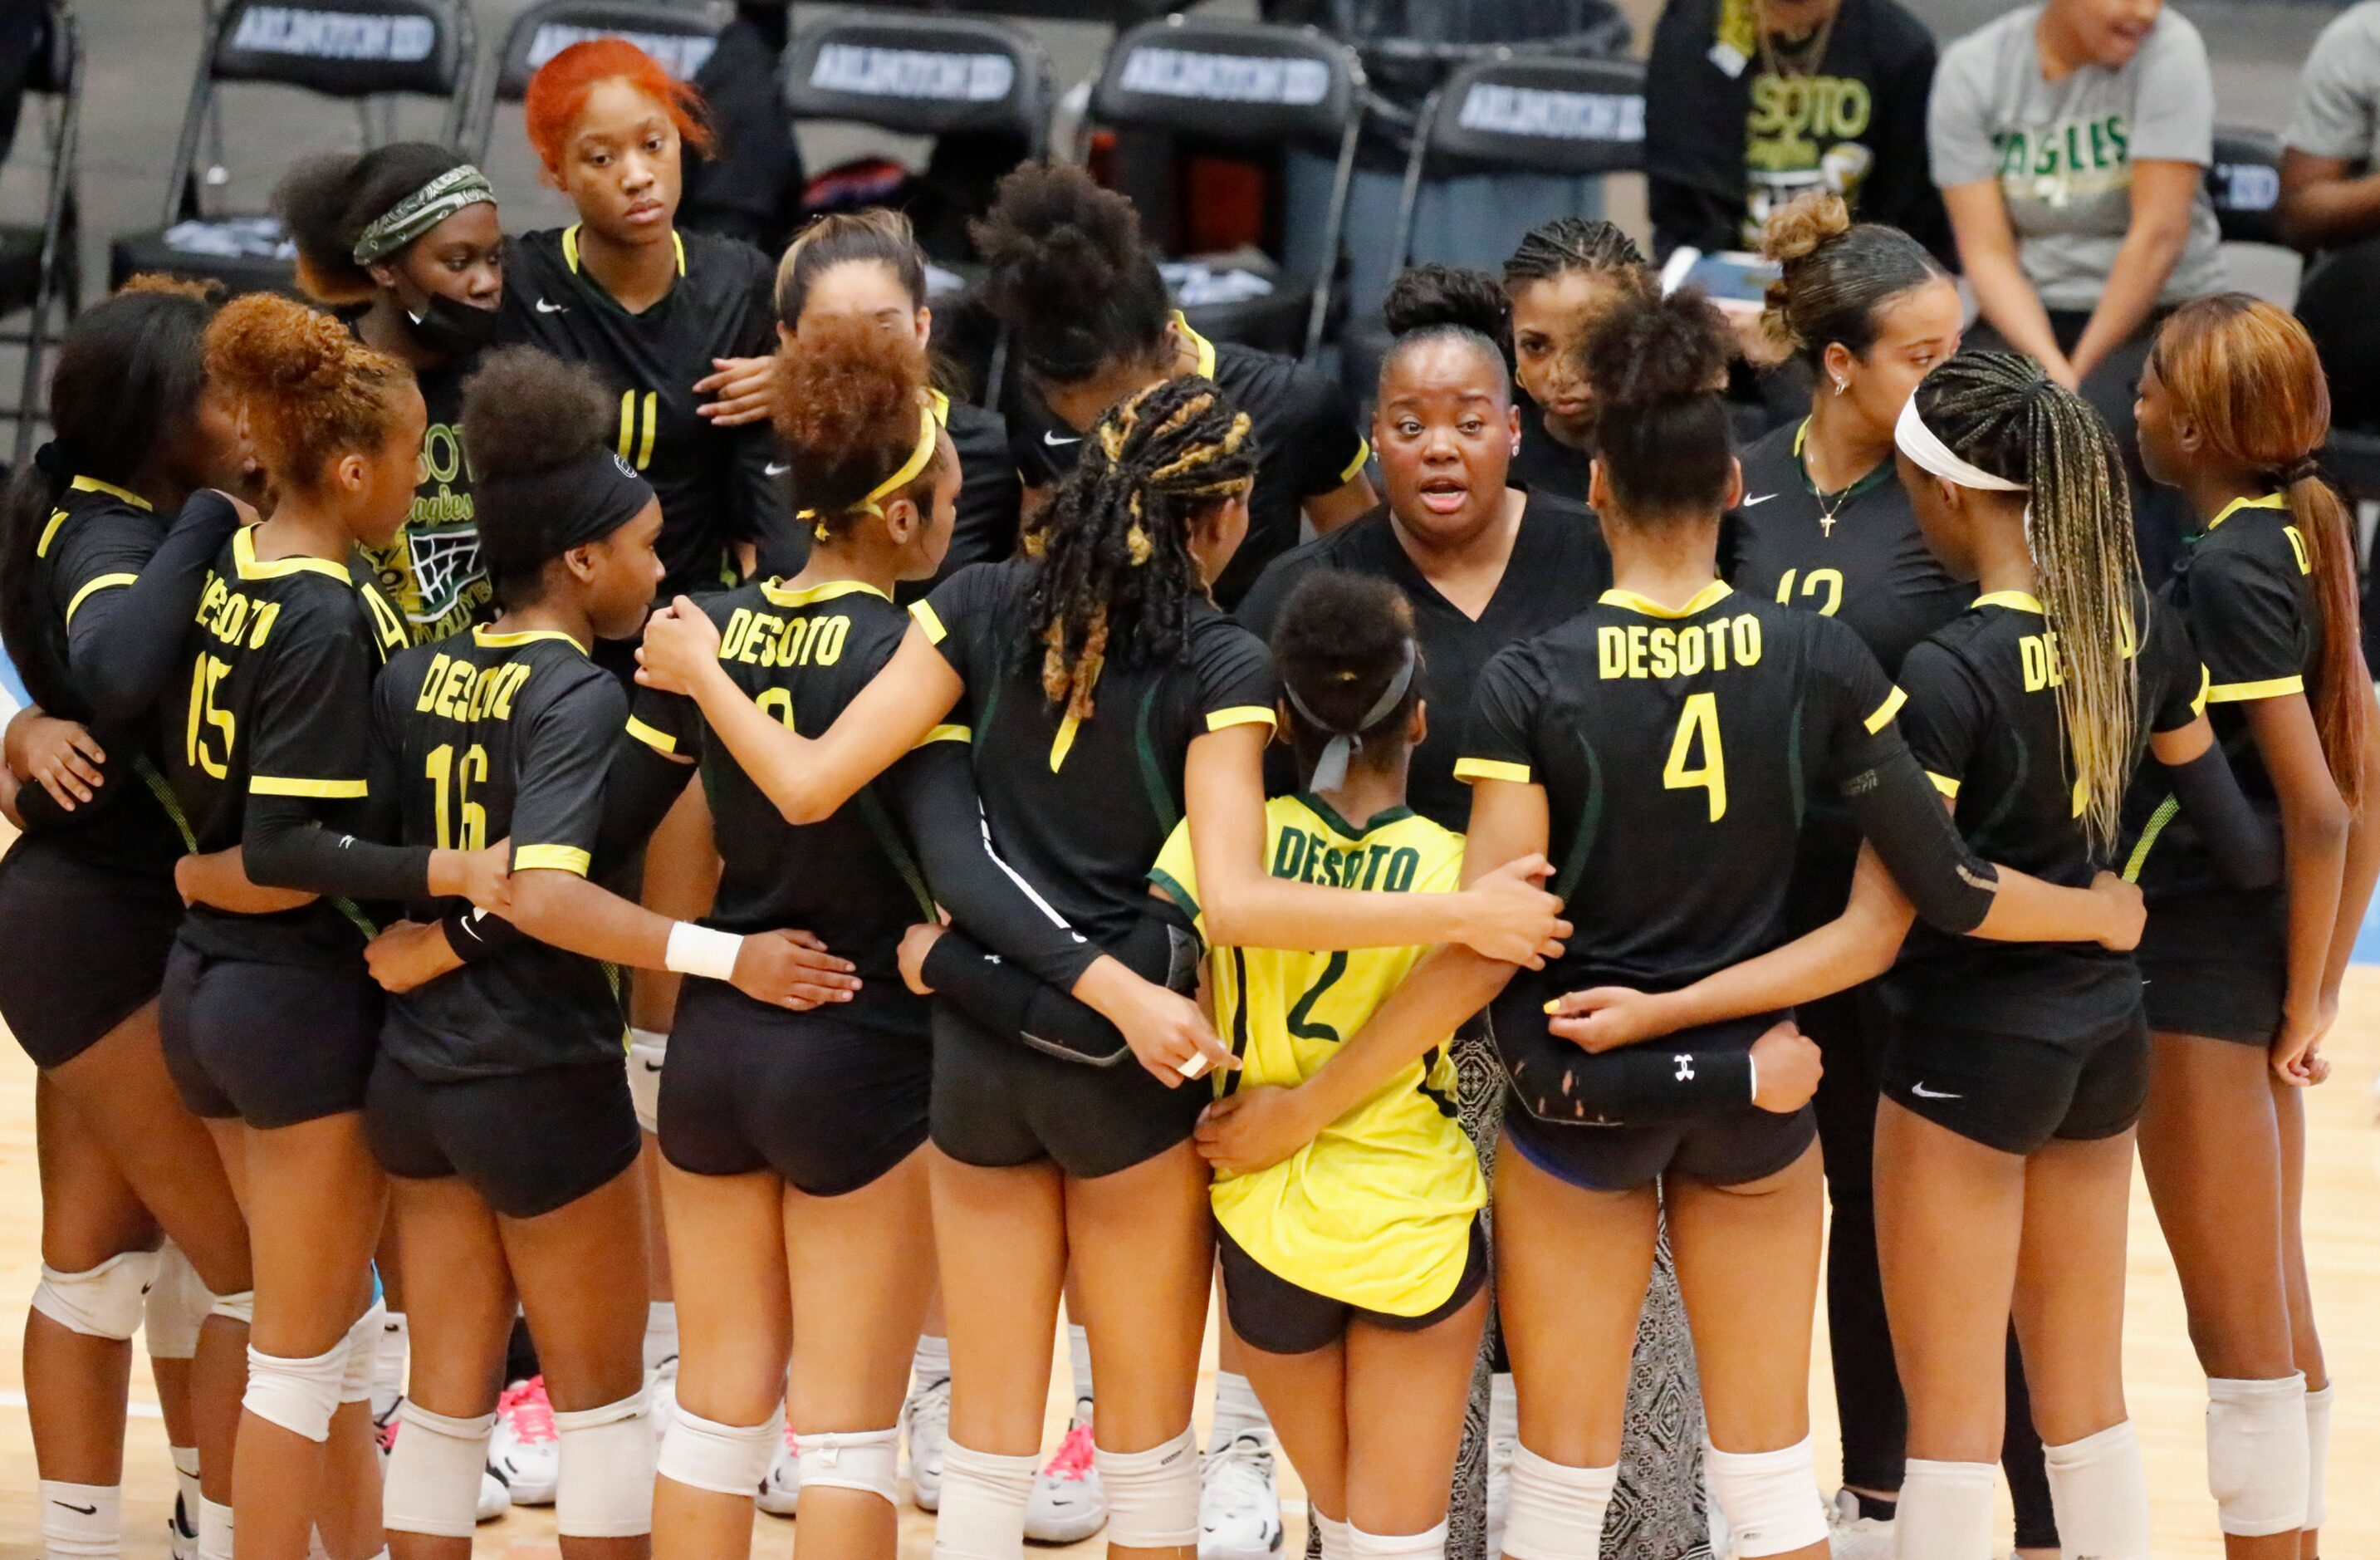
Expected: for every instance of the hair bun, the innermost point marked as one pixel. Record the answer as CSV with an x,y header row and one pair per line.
x,y
1650,348
1426,296
1804,225
526,412
262,343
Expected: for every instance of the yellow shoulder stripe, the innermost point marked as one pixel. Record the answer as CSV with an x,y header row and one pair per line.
x,y
49,533
924,613
284,786
1944,784
2205,689
947,734
551,857
2242,692
104,582
1886,710
1239,714
1491,769
658,740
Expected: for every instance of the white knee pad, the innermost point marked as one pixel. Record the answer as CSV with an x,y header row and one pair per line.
x,y
2318,1457
1556,1511
178,1306
984,1494
239,1308
432,1483
1430,1545
1338,1538
725,1460
867,1461
1770,1498
606,1489
2256,1454
648,1049
2100,1491
1152,1495
1945,1510
81,1520
363,1353
299,1395
101,1302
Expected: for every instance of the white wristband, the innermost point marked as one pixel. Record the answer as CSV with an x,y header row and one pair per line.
x,y
1752,1066
698,950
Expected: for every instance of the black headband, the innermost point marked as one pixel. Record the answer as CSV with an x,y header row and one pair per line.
x,y
527,519
2303,469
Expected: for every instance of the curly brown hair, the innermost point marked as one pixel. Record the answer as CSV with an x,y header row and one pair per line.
x,y
848,398
311,390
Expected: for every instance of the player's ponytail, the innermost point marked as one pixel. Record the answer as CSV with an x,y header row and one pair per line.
x,y
127,380
1116,574
852,410
2246,375
311,390
2001,414
1657,366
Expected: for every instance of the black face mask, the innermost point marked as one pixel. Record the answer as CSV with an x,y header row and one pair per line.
x,y
452,328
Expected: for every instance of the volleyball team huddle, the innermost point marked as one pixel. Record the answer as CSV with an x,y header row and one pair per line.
x,y
1092,893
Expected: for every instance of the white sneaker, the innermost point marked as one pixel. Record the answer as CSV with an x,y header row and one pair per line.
x,y
1239,1501
181,1533
927,1416
1503,1441
1067,1505
495,1499
1850,1536
524,1450
783,1485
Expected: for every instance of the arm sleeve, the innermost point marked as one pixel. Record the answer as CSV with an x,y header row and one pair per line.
x,y
931,792
1898,810
2173,101
125,615
2334,112
2243,619
1958,121
1640,1085
2246,848
566,752
1330,448
1498,744
286,845
1010,1000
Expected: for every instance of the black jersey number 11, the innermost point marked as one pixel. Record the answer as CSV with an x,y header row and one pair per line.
x,y
638,417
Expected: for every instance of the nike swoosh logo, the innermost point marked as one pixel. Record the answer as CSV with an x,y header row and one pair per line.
x,y
84,1510
1054,442
652,1066
543,307
1762,499
1924,1093
775,470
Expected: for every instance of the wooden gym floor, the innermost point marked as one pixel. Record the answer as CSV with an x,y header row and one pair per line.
x,y
2166,1389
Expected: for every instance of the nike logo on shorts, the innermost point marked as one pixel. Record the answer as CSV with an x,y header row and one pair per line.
x,y
777,468
547,307
1051,439
1924,1093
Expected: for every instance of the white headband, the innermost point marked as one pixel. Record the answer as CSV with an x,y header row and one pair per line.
x,y
1917,441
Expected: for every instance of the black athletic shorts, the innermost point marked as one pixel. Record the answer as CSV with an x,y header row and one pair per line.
x,y
2216,964
1742,1145
82,947
997,1103
828,1103
2013,1092
273,1044
1271,1313
527,1143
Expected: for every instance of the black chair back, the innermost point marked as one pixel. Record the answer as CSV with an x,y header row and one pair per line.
x,y
922,76
679,34
2244,181
1243,82
52,281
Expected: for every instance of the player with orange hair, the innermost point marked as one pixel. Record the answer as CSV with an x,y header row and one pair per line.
x,y
653,312
268,1019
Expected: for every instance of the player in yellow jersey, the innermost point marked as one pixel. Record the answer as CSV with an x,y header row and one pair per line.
x,y
1356,1268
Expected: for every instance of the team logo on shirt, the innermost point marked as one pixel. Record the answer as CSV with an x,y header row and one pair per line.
x,y
2065,161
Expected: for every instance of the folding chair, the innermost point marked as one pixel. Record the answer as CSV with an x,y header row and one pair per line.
x,y
2244,182
680,34
1114,13
921,76
1528,113
1246,85
356,50
41,266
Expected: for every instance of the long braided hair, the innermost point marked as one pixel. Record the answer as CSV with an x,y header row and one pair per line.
x,y
1116,577
1998,411
1568,243
2246,373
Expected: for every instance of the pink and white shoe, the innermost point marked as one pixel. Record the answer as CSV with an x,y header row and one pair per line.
x,y
1067,1505
525,1451
783,1485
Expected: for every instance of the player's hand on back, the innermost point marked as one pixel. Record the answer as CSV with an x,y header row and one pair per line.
x,y
1785,1069
793,970
2127,913
1509,916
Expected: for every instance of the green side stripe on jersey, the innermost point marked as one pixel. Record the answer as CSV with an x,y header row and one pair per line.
x,y
356,918
160,787
1152,773
1793,762
1590,819
880,823
2157,821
